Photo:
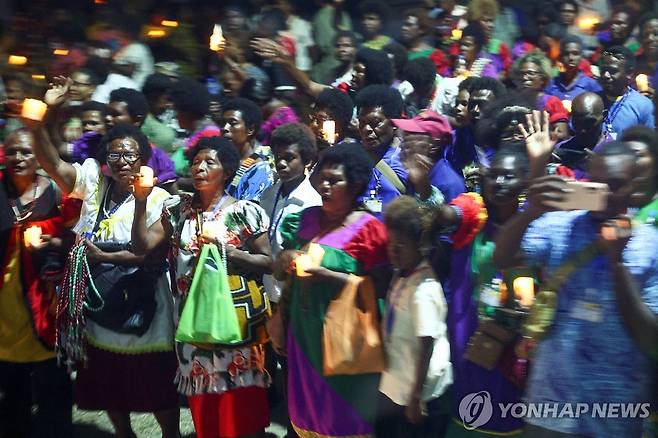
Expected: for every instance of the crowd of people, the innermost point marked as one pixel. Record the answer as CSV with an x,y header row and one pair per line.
x,y
479,179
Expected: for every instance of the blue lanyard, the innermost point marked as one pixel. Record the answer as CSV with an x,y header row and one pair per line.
x,y
614,111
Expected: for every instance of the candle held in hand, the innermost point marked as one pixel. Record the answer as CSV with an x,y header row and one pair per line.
x,y
145,176
217,39
329,131
642,82
32,236
524,290
302,263
34,109
316,253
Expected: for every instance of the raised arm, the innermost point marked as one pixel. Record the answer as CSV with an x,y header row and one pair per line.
x,y
273,51
62,172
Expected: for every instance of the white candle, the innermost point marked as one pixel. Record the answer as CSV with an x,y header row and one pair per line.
x,y
642,82
302,263
34,109
32,236
217,39
456,34
145,176
329,131
567,104
316,253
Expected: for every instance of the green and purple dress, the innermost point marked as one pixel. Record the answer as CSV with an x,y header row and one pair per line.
x,y
321,406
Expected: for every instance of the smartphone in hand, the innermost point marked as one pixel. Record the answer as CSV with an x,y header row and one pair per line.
x,y
584,195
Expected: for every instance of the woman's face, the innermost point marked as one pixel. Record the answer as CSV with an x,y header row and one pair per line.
x,y
468,48
375,128
123,159
332,185
487,23
531,77
232,84
208,171
359,76
645,180
82,88
462,114
235,129
345,49
503,182
19,156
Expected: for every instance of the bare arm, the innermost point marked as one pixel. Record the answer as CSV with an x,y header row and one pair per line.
x,y
273,51
258,258
47,155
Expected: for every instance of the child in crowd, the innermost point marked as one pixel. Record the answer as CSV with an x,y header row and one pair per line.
x,y
414,387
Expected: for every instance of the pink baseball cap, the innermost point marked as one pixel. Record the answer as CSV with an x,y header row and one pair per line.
x,y
427,122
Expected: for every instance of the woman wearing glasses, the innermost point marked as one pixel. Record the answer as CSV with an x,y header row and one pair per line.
x,y
532,73
124,372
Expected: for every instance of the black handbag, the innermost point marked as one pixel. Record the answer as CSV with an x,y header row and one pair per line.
x,y
121,298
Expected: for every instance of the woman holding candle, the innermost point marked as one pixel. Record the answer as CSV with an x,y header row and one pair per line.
x,y
32,228
477,291
354,242
124,372
226,386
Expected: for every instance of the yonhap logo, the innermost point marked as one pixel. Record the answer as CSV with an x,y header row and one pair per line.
x,y
476,409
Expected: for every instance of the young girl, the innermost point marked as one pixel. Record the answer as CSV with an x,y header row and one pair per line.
x,y
413,400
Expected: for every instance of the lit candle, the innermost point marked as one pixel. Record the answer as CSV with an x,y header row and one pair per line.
x,y
567,104
211,229
302,263
145,176
156,33
588,23
32,236
60,52
642,82
524,290
316,253
17,60
217,39
456,34
169,23
34,109
329,131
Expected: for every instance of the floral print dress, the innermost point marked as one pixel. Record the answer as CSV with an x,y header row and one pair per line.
x,y
221,369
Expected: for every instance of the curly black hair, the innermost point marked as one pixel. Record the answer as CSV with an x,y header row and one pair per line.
x,y
93,106
491,84
356,163
126,130
622,52
191,97
421,74
374,7
475,31
157,85
136,103
381,95
398,55
499,114
516,149
227,153
339,105
379,69
295,133
251,113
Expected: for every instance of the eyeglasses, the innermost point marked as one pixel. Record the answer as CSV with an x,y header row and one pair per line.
x,y
530,74
128,157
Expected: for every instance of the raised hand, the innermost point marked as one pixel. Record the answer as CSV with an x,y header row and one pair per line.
x,y
58,91
269,49
538,135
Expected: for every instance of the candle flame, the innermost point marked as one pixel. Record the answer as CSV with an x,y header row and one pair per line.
x,y
169,23
588,23
39,77
456,34
217,39
17,60
156,33
60,52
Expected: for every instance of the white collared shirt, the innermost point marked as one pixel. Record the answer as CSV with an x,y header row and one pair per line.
x,y
278,207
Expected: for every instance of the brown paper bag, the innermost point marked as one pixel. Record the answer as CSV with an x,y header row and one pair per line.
x,y
351,340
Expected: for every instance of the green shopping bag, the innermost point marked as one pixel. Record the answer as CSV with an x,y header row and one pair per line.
x,y
209,317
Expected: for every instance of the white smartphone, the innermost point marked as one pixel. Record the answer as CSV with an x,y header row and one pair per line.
x,y
590,196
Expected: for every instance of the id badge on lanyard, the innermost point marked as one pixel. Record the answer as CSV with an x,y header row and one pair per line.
x,y
374,202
